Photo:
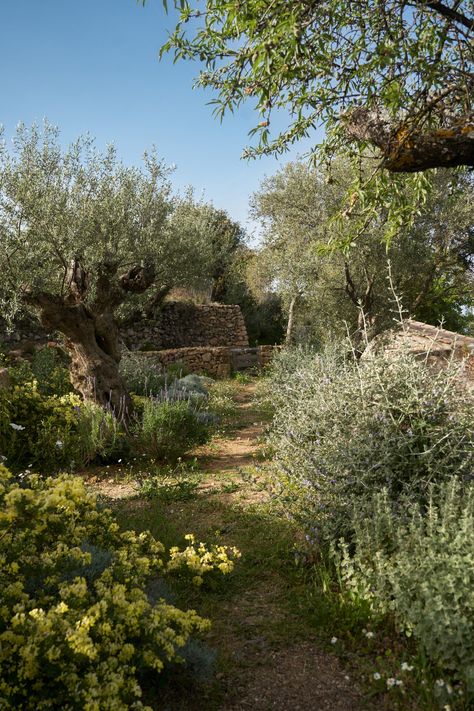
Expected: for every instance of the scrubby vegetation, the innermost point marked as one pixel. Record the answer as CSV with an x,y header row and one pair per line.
x,y
374,460
344,429
55,432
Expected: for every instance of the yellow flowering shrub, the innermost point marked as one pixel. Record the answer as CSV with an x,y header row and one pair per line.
x,y
200,558
77,628
53,432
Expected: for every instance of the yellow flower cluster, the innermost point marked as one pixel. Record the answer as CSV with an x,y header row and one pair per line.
x,y
75,620
200,558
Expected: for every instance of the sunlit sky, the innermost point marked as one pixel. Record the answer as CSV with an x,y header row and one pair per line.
x,y
92,66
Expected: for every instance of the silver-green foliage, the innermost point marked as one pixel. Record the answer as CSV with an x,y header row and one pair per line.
x,y
142,376
57,205
343,430
168,429
418,563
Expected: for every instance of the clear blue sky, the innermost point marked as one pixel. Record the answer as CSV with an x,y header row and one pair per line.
x,y
92,66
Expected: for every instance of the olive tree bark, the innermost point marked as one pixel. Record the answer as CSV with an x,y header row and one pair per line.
x,y
91,332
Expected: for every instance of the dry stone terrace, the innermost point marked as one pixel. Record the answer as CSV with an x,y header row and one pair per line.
x,y
440,346
206,338
437,345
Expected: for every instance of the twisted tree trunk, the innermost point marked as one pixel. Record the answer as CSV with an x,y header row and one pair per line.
x,y
90,330
92,343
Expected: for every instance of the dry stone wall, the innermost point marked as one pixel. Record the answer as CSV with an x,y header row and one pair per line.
x,y
207,338
182,324
435,345
218,362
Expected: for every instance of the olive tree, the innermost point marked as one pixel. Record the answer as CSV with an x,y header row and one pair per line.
x,y
80,234
324,289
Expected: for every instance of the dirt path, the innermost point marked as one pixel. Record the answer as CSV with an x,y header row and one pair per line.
x,y
268,657
297,676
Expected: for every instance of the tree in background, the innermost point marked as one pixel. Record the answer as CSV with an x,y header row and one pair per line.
x,y
80,235
322,289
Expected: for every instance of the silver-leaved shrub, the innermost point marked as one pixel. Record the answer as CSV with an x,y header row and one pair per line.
x,y
343,430
417,562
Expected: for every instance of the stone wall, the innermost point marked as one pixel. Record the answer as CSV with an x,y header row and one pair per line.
x,y
435,345
218,362
182,324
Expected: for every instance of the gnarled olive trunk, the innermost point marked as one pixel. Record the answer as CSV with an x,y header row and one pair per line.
x,y
92,336
92,342
95,357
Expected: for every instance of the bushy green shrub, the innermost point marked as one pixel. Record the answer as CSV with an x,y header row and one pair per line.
x,y
168,430
38,430
418,563
48,369
101,436
342,430
53,433
77,629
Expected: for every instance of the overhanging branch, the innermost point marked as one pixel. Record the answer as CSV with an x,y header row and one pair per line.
x,y
407,150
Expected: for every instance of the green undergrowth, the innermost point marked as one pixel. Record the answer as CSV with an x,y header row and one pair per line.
x,y
278,594
279,598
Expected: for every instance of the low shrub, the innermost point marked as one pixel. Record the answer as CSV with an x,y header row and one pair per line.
x,y
48,369
38,430
343,430
51,433
101,436
77,628
417,562
142,375
168,430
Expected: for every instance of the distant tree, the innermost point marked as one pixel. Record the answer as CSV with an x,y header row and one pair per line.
x,y
431,263
223,238
80,235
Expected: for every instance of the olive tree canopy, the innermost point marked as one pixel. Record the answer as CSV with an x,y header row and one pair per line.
x,y
80,233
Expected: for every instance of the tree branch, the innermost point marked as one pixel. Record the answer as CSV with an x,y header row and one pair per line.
x,y
448,12
406,150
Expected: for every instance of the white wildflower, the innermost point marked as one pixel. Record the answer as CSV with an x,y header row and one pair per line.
x,y
406,666
334,640
16,427
369,634
59,444
377,676
439,682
